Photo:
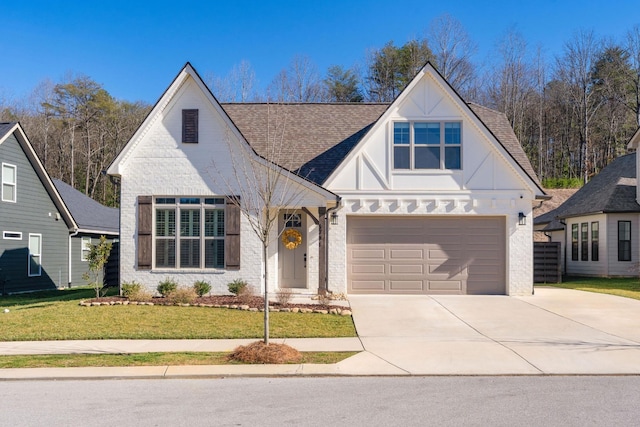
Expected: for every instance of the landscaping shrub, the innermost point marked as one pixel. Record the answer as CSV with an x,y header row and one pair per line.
x,y
324,298
182,295
201,287
237,286
129,288
245,295
284,295
167,286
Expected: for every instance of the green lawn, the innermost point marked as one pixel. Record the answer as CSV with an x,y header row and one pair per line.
x,y
56,315
624,287
146,359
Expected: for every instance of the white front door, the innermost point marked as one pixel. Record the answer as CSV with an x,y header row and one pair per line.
x,y
292,249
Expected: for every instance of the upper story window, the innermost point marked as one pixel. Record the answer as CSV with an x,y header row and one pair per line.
x,y
9,182
427,145
190,126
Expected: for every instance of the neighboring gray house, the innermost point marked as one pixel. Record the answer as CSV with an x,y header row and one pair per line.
x,y
93,220
598,226
34,221
40,244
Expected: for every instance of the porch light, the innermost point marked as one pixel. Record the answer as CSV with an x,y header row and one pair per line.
x,y
334,218
522,219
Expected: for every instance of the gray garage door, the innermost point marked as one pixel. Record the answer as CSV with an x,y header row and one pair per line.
x,y
426,255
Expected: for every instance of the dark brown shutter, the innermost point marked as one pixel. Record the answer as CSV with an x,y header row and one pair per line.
x,y
145,221
232,234
190,126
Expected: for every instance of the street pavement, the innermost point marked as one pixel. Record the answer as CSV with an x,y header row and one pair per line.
x,y
555,331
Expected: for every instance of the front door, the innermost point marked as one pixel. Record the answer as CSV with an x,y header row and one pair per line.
x,y
292,249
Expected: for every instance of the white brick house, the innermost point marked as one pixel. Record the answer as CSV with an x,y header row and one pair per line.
x,y
426,195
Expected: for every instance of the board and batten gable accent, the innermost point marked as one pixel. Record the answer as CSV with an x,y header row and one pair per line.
x,y
232,233
145,232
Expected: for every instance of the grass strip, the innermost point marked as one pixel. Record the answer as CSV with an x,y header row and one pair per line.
x,y
628,287
146,359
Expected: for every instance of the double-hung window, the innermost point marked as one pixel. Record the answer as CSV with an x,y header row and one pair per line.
x,y
9,182
86,249
427,145
584,241
595,241
574,242
624,240
35,255
189,232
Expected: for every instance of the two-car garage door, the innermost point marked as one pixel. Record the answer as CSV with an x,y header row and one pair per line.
x,y
426,255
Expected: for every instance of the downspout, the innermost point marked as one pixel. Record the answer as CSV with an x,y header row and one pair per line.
x,y
326,244
75,233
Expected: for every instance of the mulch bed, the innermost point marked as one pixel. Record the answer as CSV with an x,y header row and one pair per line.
x,y
252,302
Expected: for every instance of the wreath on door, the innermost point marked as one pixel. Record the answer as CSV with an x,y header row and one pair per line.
x,y
291,238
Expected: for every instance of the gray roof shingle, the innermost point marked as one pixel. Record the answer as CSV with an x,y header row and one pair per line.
x,y
613,190
323,134
88,214
5,127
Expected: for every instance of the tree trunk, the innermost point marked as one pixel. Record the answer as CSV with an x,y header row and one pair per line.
x,y
266,293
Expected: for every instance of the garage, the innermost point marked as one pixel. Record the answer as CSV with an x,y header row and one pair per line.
x,y
426,255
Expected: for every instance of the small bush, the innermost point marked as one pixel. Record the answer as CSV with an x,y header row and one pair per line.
x,y
237,286
140,295
182,295
167,286
324,298
284,295
129,288
201,287
245,295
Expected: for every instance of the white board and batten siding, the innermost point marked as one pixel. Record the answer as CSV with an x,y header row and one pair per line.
x,y
489,186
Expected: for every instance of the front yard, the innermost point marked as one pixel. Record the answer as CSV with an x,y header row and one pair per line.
x,y
56,315
624,287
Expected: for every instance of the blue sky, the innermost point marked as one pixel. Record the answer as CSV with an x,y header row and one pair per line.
x,y
135,48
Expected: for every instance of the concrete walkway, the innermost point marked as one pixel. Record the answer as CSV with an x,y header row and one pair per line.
x,y
557,331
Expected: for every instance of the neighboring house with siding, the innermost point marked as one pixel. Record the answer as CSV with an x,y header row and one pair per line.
x,y
34,221
598,226
428,194
39,231
93,220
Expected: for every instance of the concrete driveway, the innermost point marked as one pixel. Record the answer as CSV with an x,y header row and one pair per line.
x,y
556,331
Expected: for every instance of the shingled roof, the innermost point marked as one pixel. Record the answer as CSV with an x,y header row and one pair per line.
x,y
4,128
89,214
613,190
323,134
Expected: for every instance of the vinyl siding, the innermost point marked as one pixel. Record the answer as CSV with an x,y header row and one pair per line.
x,y
622,268
79,267
33,212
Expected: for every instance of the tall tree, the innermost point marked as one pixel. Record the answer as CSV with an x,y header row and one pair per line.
x,y
342,85
299,82
453,50
575,67
391,68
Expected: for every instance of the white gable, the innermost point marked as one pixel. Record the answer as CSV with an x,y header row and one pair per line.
x,y
213,165
485,163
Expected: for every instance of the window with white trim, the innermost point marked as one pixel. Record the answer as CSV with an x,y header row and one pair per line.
x,y
86,249
189,232
12,235
35,254
9,182
427,145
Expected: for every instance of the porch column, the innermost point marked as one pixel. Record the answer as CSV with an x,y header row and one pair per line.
x,y
322,249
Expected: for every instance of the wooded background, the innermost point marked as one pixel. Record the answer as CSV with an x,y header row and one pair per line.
x,y
573,112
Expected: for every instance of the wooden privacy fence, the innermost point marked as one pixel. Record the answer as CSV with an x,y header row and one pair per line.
x,y
546,262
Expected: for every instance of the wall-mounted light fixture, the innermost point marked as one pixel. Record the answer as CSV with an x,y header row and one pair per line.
x,y
522,219
334,218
